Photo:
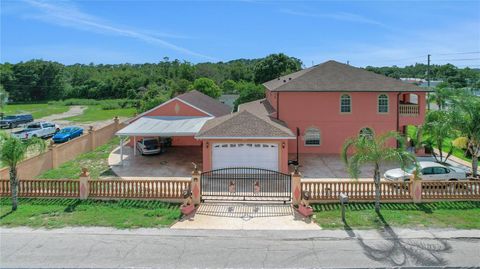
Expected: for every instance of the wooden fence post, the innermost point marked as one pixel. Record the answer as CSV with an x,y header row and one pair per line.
x,y
296,187
83,184
195,186
416,191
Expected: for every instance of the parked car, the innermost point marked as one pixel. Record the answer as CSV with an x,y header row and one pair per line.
x,y
149,146
37,129
428,171
15,120
67,134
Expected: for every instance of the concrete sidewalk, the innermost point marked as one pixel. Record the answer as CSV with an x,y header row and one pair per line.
x,y
246,216
168,248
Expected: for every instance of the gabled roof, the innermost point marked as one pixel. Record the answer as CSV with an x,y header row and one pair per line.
x,y
333,76
197,100
244,124
205,103
258,107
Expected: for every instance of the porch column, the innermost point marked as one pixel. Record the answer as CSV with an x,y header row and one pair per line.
x,y
121,150
134,146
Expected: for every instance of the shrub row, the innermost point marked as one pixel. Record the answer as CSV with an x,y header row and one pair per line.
x,y
107,104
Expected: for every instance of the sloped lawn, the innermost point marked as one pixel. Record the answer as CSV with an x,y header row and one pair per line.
x,y
96,161
56,213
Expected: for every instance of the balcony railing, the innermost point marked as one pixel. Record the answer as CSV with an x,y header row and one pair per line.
x,y
409,110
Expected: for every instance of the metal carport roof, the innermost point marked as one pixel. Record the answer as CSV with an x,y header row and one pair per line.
x,y
164,126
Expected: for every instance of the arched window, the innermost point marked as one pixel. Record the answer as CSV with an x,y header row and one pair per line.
x,y
345,103
312,137
383,103
366,132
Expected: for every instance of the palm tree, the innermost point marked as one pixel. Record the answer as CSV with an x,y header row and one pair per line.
x,y
438,127
466,114
375,150
13,151
441,96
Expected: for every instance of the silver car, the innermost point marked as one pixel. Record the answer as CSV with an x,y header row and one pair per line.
x,y
149,146
428,171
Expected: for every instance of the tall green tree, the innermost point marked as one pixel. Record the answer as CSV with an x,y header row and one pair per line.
x,y
466,119
374,150
248,92
3,98
438,127
206,86
12,152
274,66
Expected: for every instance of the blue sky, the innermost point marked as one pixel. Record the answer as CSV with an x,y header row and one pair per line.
x,y
362,32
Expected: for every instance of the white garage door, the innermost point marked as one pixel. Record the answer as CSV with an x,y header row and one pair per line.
x,y
257,155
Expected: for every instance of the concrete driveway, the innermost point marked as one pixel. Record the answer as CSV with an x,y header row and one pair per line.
x,y
175,163
330,166
246,216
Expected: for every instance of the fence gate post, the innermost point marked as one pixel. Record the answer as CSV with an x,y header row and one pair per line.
x,y
296,187
83,182
416,191
195,186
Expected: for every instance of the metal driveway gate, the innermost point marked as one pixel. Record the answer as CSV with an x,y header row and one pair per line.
x,y
247,184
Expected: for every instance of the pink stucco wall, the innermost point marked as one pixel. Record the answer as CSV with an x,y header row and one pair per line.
x,y
282,154
321,110
176,108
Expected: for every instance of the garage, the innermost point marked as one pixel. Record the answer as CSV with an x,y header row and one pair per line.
x,y
258,155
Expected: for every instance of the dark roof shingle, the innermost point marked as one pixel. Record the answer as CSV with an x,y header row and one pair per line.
x,y
335,76
205,103
243,124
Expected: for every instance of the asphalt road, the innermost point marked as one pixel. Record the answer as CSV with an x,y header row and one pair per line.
x,y
168,248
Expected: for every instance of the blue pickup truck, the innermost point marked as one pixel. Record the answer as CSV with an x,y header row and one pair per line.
x,y
15,120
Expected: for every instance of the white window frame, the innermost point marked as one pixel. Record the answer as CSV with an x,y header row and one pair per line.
x,y
383,97
365,128
349,98
312,133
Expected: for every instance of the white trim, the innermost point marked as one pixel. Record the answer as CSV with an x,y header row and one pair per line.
x,y
319,137
243,137
167,102
158,134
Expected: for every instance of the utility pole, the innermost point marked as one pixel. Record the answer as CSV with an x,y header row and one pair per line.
x,y
428,79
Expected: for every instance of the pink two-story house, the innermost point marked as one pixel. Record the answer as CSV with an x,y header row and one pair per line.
x,y
310,111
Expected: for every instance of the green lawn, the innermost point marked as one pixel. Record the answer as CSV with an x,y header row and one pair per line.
x,y
56,213
459,153
96,113
37,110
96,161
460,215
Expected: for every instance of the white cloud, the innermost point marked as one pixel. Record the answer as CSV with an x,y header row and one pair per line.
x,y
406,48
340,16
68,15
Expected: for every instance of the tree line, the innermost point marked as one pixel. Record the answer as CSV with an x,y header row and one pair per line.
x,y
152,83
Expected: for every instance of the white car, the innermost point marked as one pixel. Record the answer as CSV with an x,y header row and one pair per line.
x,y
428,171
149,146
37,129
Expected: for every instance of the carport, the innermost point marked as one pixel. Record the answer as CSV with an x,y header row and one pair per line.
x,y
161,126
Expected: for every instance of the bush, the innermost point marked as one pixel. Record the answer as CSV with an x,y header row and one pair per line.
x,y
107,104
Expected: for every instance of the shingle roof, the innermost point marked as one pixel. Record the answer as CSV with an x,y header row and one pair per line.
x,y
243,124
258,107
335,76
205,103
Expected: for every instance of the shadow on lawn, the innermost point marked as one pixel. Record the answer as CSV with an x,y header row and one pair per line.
x,y
398,251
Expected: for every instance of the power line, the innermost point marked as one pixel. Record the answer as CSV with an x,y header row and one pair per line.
x,y
465,59
457,53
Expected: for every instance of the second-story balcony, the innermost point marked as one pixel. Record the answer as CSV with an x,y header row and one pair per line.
x,y
409,110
